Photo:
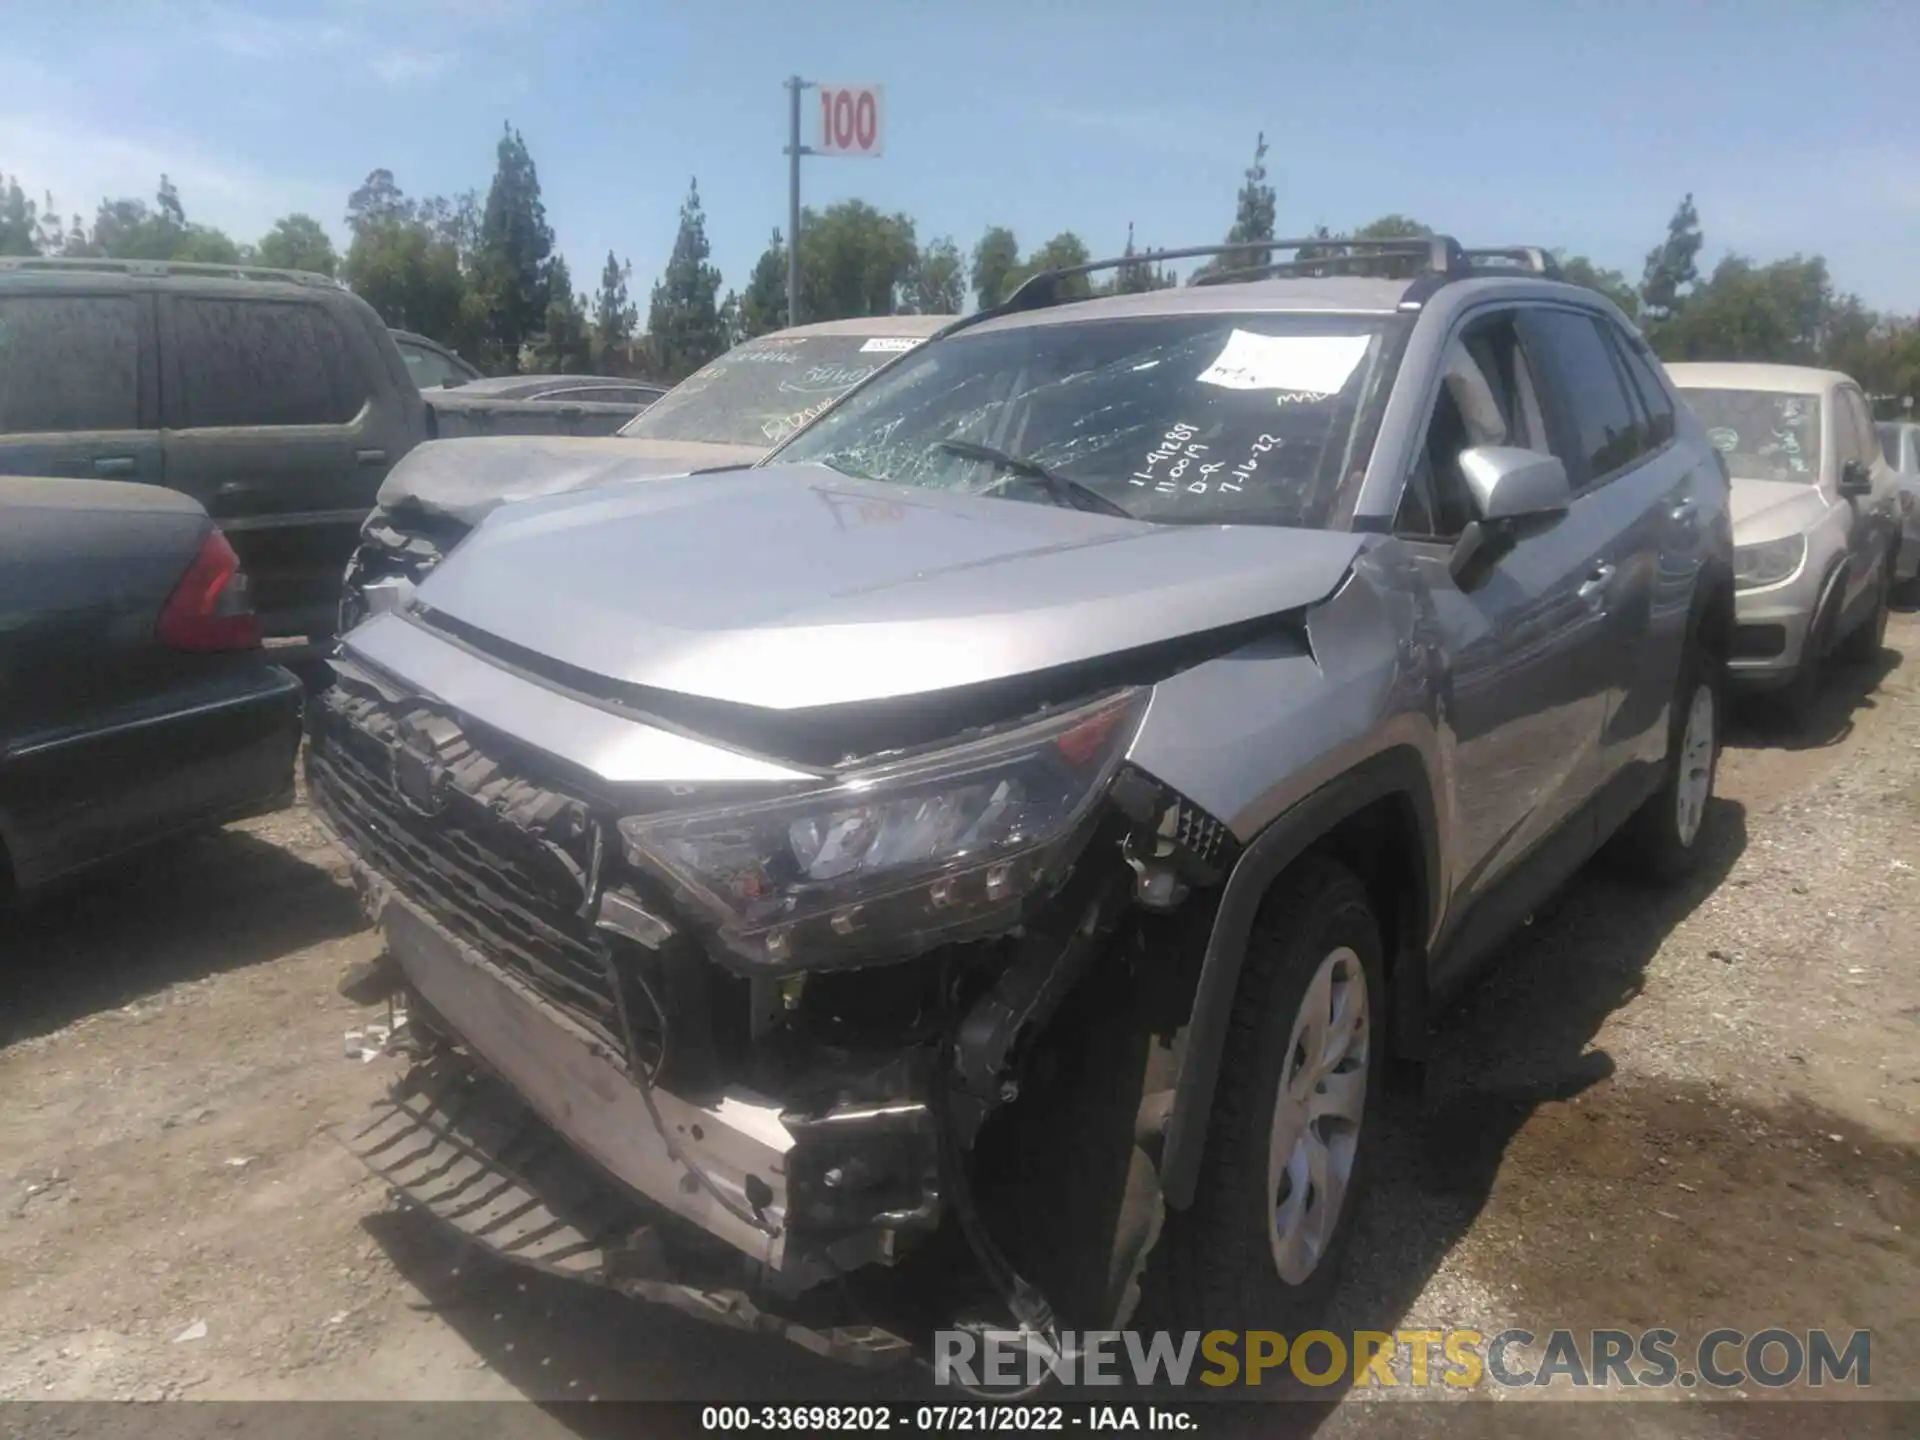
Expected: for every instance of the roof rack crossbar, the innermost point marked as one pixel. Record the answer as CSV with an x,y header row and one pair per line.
x,y
1536,259
107,265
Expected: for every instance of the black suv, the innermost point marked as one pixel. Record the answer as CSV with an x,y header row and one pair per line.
x,y
276,399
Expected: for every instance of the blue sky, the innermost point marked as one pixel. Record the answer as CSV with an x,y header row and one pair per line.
x,y
1796,125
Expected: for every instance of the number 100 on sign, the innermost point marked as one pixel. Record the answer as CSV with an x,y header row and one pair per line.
x,y
850,118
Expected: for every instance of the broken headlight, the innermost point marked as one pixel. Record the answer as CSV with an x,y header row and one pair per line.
x,y
895,859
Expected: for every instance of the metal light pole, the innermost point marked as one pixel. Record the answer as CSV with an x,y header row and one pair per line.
x,y
794,151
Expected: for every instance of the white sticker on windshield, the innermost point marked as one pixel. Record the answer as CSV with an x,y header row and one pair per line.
x,y
888,346
1320,364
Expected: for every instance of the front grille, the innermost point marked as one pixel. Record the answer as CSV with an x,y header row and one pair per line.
x,y
512,896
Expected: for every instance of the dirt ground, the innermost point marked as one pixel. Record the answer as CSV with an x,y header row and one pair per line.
x,y
1693,1110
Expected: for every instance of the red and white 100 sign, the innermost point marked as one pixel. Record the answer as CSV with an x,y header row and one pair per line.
x,y
849,120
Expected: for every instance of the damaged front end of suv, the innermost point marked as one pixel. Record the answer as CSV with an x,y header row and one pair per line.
x,y
800,878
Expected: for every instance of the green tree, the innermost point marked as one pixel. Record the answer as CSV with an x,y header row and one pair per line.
x,y
514,252
1138,275
1255,210
1062,252
995,259
19,220
1579,270
614,313
409,269
564,345
1671,269
296,242
1778,313
1393,227
937,285
763,305
683,313
854,261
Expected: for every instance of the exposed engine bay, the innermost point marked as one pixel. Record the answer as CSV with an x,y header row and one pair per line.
x,y
780,1100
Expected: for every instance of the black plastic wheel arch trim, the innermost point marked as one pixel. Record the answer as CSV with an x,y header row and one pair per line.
x,y
1395,772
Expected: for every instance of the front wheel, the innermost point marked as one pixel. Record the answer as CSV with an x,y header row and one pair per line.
x,y
1662,840
1865,641
1294,1120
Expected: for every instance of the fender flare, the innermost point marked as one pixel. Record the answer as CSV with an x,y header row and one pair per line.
x,y
1399,771
1826,610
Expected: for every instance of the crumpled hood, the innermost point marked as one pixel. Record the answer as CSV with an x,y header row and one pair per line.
x,y
794,586
466,479
1773,509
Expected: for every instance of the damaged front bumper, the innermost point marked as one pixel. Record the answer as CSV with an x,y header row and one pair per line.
x,y
793,1151
464,1147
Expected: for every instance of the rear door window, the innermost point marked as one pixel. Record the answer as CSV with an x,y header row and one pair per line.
x,y
1655,402
1604,429
257,363
69,363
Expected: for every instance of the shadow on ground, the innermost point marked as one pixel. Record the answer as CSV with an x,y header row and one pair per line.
x,y
1760,721
194,908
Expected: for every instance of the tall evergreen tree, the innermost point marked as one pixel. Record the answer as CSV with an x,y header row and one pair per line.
x,y
763,305
936,285
995,259
565,343
1671,270
515,247
683,313
614,313
20,227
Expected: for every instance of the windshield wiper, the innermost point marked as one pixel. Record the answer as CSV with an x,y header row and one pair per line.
x,y
1069,493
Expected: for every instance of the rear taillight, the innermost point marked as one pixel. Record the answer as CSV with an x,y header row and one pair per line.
x,y
210,609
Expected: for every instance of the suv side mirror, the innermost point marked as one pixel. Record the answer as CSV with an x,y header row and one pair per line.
x,y
1510,486
1855,479
1509,483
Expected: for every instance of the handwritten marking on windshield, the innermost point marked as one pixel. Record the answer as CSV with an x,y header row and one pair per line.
x,y
1174,446
782,426
823,378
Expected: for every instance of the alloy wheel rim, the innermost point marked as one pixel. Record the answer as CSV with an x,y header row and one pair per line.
x,y
1317,1114
1696,765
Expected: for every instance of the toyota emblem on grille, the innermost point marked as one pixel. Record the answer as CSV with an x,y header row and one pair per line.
x,y
418,781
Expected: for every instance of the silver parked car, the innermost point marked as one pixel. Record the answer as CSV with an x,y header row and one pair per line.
x,y
728,413
1815,520
1900,444
976,866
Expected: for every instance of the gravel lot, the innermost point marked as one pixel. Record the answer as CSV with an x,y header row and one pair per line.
x,y
1698,1110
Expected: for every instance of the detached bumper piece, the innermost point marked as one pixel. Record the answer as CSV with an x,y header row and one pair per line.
x,y
462,1147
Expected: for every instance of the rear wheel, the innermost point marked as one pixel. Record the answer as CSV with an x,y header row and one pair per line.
x,y
1294,1120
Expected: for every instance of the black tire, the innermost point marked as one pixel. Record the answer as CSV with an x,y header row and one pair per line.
x,y
1864,642
1801,697
1654,845
1214,1265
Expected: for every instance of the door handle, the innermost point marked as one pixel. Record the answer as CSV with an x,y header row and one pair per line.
x,y
1685,512
1596,586
113,465
370,457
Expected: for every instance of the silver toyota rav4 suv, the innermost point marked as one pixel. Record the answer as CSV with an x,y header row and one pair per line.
x,y
977,867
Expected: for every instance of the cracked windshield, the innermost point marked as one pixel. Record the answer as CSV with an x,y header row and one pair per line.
x,y
1197,419
1765,435
761,392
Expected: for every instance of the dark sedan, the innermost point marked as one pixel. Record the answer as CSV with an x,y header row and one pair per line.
x,y
136,701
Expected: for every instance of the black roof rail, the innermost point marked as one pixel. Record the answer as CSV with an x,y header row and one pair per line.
x,y
160,268
1442,258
